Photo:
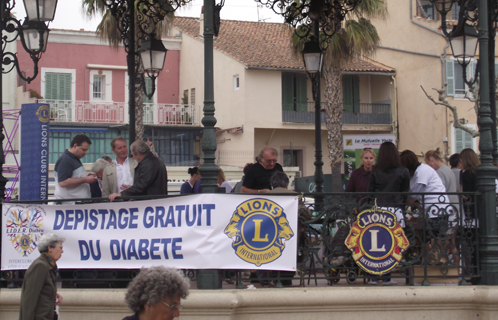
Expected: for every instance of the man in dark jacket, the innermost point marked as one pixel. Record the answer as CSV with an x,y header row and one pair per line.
x,y
151,177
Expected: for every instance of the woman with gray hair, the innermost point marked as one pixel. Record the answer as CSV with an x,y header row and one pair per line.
x,y
98,170
39,295
155,293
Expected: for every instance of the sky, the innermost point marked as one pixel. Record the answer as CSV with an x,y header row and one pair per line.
x,y
69,14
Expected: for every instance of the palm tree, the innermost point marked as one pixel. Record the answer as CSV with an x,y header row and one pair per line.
x,y
108,30
357,37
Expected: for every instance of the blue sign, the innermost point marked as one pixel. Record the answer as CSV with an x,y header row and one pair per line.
x,y
34,151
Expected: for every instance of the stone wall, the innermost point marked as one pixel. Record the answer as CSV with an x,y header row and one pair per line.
x,y
354,303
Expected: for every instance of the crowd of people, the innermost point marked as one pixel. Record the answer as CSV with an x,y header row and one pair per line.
x,y
143,174
429,184
156,293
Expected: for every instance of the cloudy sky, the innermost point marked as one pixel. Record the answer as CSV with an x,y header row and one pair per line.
x,y
69,14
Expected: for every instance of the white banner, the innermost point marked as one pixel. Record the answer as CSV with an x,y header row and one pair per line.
x,y
205,231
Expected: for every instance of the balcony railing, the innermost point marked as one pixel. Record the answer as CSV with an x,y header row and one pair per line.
x,y
370,113
171,114
117,112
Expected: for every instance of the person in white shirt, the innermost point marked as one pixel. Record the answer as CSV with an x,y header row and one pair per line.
x,y
118,176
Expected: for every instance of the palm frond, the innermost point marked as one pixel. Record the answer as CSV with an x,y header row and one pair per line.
x,y
93,7
372,9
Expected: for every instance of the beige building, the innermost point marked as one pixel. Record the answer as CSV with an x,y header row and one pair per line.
x,y
263,95
413,43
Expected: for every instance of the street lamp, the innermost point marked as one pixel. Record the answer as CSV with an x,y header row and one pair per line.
x,y
313,63
152,54
40,10
464,43
481,11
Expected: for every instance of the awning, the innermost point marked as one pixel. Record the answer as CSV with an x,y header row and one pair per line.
x,y
79,129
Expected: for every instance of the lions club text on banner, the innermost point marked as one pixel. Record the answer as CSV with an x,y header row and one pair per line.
x,y
215,231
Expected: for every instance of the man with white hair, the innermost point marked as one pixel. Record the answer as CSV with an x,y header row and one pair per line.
x,y
151,177
119,175
257,178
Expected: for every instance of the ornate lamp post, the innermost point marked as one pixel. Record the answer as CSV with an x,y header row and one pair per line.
x,y
153,54
209,279
33,34
136,20
481,11
313,62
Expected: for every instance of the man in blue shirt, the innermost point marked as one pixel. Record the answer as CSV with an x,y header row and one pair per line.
x,y
71,178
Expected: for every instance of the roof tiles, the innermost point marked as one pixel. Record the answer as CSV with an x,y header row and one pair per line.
x,y
264,45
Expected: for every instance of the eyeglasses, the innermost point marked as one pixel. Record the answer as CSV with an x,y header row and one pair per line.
x,y
271,161
173,307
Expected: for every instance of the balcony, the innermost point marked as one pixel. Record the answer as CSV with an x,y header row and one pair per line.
x,y
370,113
117,112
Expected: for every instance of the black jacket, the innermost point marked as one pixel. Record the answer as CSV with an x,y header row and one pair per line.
x,y
393,180
151,178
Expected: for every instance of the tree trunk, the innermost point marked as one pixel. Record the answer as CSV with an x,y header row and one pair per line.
x,y
139,98
333,112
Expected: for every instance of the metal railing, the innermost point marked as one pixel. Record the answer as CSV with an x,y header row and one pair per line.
x,y
177,114
440,244
115,112
234,158
369,113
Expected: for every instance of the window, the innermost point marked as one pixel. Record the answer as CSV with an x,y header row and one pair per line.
x,y
351,93
185,97
58,86
98,87
426,9
455,11
294,92
293,158
456,86
60,140
175,147
236,82
192,96
463,139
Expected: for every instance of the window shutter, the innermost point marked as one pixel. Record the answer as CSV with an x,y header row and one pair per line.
x,y
463,140
347,93
148,86
356,94
302,92
58,86
287,92
450,78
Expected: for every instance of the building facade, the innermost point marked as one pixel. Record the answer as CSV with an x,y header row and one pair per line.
x,y
85,81
263,95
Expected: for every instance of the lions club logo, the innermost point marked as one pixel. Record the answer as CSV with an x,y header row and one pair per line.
x,y
377,241
24,227
259,229
43,113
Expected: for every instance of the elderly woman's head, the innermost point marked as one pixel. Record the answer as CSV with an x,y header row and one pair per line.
x,y
51,244
157,291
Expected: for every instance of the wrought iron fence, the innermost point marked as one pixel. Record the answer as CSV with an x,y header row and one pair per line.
x,y
440,243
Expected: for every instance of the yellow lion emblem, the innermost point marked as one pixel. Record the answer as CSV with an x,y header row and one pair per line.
x,y
258,229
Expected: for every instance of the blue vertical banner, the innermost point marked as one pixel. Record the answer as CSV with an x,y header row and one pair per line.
x,y
34,151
